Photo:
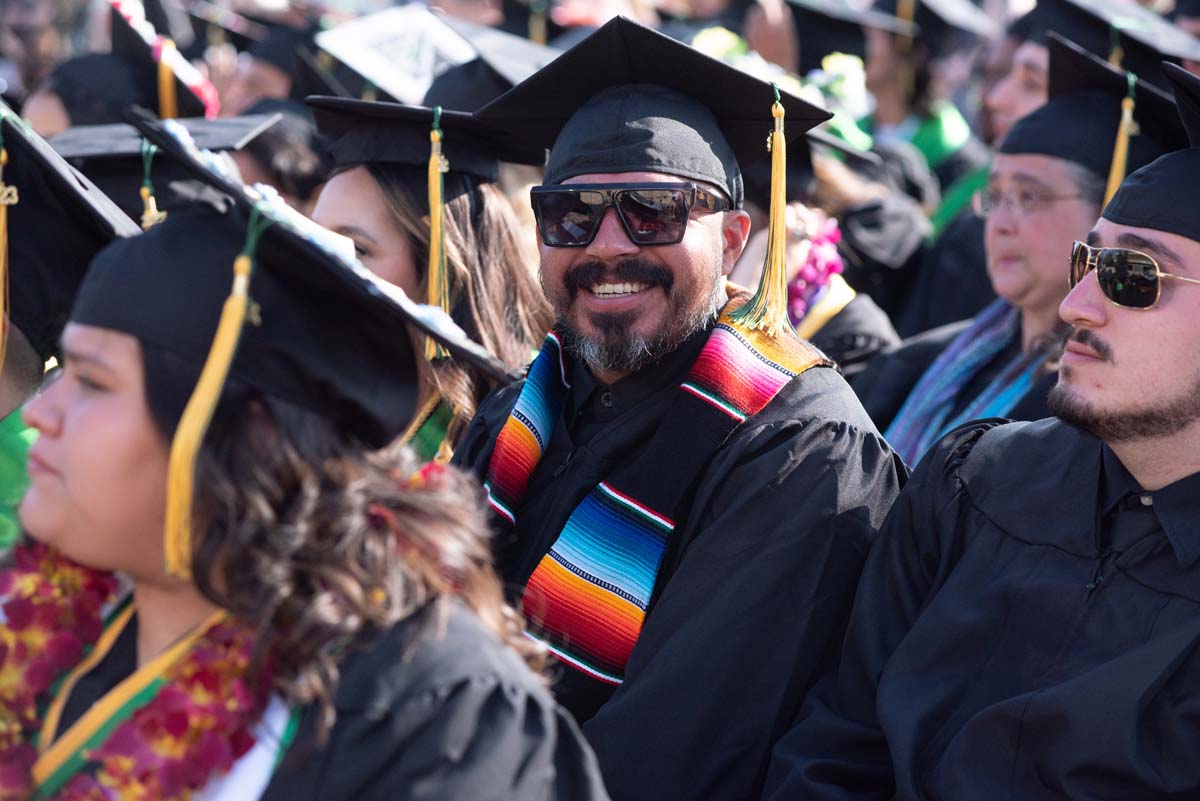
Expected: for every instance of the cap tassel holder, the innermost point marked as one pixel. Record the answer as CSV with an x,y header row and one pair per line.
x,y
1127,129
151,216
8,197
437,280
181,468
767,309
168,102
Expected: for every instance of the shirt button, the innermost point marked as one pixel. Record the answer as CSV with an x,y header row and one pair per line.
x,y
1147,500
606,400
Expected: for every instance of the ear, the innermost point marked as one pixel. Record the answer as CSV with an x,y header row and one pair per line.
x,y
735,232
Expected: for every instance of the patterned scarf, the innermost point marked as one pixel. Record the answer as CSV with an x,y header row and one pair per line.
x,y
925,416
587,598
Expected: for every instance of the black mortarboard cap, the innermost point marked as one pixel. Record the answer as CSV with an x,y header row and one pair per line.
x,y
503,61
1159,195
330,336
59,222
629,99
1144,37
258,292
134,39
835,26
170,20
366,132
111,156
942,24
1186,8
278,48
1080,121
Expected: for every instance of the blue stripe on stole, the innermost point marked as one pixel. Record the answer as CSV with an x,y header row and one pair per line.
x,y
609,544
540,400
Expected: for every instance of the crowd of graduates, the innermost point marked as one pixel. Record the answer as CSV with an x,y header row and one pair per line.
x,y
673,400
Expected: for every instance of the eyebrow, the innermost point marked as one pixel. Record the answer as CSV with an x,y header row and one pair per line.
x,y
1093,239
1155,247
354,230
75,356
1029,64
1024,177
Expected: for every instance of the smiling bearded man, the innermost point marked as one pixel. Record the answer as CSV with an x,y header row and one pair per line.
x,y
683,500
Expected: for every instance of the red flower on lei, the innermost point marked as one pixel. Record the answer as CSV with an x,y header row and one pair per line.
x,y
196,726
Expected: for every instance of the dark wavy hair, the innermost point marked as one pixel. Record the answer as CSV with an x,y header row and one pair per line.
x,y
319,543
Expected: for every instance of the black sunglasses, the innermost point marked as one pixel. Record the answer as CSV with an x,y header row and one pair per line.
x,y
1129,278
568,216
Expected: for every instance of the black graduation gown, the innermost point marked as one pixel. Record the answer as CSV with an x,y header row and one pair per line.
x,y
951,282
883,247
1027,628
437,708
854,335
887,380
752,596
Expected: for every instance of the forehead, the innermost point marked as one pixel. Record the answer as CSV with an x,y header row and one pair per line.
x,y
1031,55
1054,172
626,178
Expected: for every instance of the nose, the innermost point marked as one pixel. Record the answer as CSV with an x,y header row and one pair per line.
x,y
43,412
611,240
1085,305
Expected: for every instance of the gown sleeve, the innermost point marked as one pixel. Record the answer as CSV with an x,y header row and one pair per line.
x,y
837,750
752,615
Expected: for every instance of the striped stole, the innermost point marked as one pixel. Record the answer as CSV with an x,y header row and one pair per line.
x,y
587,598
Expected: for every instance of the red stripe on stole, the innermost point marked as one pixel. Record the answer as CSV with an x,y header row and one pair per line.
x,y
732,372
603,627
517,454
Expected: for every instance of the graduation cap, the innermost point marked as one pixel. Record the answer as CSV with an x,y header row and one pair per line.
x,y
1128,34
836,26
455,146
144,186
180,89
1186,8
293,314
1158,196
52,221
170,20
942,24
97,88
1102,118
629,99
214,25
424,58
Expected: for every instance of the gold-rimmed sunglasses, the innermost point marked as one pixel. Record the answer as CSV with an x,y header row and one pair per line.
x,y
1130,279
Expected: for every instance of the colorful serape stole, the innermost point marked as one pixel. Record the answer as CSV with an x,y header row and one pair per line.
x,y
587,598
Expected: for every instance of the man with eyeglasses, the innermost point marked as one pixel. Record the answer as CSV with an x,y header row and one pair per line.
x,y
1028,624
1045,188
683,497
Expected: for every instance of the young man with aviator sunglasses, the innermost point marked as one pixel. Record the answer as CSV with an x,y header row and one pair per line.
x,y
1028,621
682,501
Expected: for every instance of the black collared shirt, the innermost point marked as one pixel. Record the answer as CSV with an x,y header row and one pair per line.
x,y
1027,628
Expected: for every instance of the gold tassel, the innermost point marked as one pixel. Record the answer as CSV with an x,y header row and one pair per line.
x,y
767,309
537,22
181,468
168,105
438,292
906,10
8,197
1127,128
1116,53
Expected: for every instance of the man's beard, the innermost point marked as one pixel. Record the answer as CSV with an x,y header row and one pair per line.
x,y
616,347
1157,419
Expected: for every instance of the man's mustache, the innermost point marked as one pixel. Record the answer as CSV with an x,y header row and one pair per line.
x,y
1088,337
627,271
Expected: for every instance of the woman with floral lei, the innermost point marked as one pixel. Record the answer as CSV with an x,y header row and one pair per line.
x,y
320,620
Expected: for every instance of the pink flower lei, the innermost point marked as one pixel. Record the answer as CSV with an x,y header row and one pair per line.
x,y
824,261
197,725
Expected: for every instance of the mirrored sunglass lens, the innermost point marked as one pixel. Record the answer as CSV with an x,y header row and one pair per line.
x,y
1079,263
654,215
1127,279
566,218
